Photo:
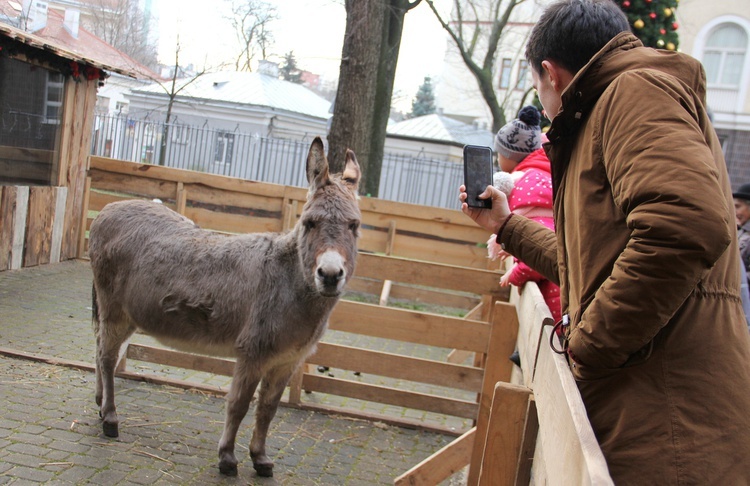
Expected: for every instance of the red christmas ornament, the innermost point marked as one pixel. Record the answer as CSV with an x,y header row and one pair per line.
x,y
649,1
626,4
662,31
674,26
652,15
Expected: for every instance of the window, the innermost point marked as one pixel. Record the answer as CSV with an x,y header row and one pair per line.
x,y
31,106
54,95
505,69
523,71
224,148
724,56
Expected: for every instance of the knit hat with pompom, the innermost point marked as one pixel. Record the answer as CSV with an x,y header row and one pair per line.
x,y
521,136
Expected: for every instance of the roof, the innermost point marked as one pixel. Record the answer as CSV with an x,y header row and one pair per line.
x,y
86,49
441,128
248,88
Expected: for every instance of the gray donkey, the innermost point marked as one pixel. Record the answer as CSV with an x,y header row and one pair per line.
x,y
263,298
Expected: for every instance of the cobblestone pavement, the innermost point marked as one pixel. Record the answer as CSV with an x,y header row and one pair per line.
x,y
50,432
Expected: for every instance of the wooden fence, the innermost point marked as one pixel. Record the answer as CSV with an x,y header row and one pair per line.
x,y
420,254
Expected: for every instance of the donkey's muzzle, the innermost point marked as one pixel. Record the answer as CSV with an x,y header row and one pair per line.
x,y
330,274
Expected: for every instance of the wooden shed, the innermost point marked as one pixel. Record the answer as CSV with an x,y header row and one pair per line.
x,y
48,85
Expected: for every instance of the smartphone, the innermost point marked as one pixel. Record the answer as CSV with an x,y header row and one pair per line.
x,y
477,174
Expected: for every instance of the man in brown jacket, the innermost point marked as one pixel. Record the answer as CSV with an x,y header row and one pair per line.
x,y
645,250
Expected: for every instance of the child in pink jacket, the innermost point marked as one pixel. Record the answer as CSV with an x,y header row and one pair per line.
x,y
525,177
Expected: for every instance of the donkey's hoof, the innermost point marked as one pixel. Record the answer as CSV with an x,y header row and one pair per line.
x,y
110,429
264,470
228,469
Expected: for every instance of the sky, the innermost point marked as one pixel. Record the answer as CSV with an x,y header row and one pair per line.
x,y
312,29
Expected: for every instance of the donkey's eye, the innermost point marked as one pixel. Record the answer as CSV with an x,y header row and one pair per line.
x,y
354,226
309,224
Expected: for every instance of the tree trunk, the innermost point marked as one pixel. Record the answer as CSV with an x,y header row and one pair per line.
x,y
363,101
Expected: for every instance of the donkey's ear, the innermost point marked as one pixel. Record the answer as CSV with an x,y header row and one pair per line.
x,y
352,174
317,164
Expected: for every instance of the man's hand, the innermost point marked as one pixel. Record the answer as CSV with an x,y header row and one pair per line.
x,y
489,219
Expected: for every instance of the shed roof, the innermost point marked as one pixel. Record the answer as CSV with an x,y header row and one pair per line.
x,y
86,48
441,128
248,88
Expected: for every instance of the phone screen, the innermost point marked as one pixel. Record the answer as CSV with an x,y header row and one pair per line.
x,y
477,174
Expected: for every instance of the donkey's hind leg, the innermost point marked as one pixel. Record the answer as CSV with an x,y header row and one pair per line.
x,y
244,382
110,335
274,383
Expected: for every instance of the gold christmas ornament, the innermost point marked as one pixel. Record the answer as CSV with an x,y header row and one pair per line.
x,y
638,24
670,47
667,12
660,43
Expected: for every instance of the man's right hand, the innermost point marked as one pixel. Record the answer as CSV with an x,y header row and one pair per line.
x,y
489,219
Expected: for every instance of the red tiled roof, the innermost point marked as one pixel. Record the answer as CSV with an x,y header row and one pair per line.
x,y
87,48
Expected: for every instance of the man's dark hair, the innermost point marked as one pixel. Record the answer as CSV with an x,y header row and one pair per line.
x,y
570,32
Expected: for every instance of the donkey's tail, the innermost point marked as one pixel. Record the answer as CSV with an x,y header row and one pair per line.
x,y
94,310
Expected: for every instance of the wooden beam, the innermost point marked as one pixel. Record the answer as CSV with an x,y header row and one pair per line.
x,y
19,227
386,292
58,220
498,368
505,433
441,465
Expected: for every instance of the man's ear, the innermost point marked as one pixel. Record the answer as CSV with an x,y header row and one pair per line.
x,y
559,77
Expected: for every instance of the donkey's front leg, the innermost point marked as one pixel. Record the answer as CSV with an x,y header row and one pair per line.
x,y
271,390
244,382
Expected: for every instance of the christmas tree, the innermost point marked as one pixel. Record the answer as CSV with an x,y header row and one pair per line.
x,y
653,21
424,102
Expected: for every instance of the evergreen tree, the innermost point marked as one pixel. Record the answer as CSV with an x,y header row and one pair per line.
x,y
653,21
424,102
289,70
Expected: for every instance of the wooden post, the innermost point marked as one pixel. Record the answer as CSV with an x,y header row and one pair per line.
x,y
386,292
84,218
181,198
58,221
503,444
498,368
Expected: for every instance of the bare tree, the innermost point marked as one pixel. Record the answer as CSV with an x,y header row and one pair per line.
x,y
172,89
476,29
250,20
368,67
123,25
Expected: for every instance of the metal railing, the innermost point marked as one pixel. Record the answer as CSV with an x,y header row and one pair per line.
x,y
403,178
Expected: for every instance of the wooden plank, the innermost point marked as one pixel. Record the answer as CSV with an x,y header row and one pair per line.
x,y
8,195
397,366
534,315
414,294
231,223
58,219
74,176
430,274
461,355
390,396
19,227
441,465
171,174
85,222
387,284
505,432
563,420
38,245
498,368
410,326
168,357
132,184
528,446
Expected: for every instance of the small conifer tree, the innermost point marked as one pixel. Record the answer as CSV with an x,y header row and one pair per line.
x,y
424,102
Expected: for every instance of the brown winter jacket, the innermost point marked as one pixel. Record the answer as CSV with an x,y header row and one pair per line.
x,y
647,260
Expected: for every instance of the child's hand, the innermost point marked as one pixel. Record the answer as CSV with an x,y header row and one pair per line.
x,y
505,279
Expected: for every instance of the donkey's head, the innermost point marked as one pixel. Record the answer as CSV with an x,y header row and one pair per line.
x,y
329,223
